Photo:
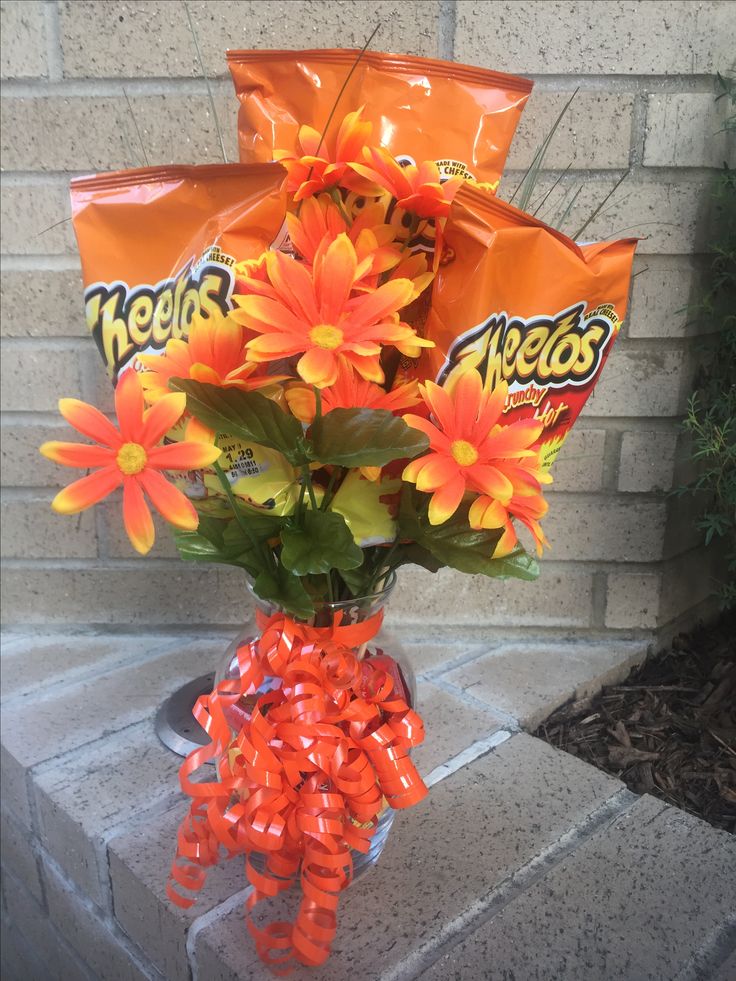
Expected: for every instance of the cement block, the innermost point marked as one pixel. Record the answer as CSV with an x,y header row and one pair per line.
x,y
604,528
18,855
635,900
47,955
46,303
642,383
560,597
475,829
451,726
531,680
56,373
626,38
688,580
108,955
663,291
84,799
686,129
53,133
22,464
23,27
579,467
647,460
17,960
594,133
167,594
99,40
35,219
31,530
632,599
139,867
430,652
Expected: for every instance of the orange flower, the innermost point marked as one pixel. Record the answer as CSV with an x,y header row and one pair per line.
x,y
469,449
416,189
324,161
350,391
487,513
129,456
315,314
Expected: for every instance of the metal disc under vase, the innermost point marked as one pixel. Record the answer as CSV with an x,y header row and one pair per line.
x,y
175,725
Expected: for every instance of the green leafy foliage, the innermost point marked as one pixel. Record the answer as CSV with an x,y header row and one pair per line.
x,y
278,585
248,415
322,541
364,438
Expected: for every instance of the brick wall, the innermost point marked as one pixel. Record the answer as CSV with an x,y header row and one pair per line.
x,y
623,557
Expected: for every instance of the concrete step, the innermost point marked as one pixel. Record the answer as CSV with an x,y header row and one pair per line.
x,y
91,805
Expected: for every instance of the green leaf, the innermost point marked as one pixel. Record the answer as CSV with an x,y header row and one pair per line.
x,y
364,438
215,541
248,415
456,544
286,590
414,554
323,542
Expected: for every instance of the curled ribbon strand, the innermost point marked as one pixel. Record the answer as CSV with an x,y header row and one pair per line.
x,y
303,782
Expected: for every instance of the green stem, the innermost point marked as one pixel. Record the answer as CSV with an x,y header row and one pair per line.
x,y
327,499
261,547
384,567
307,479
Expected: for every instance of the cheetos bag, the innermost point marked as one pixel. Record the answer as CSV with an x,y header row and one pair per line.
x,y
463,118
523,303
159,245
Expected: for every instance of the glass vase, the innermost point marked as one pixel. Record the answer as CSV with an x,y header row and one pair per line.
x,y
384,643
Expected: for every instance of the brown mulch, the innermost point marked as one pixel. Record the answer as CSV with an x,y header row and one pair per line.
x,y
669,729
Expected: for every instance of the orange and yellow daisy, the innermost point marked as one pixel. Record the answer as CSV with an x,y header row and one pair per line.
x,y
315,313
350,391
469,448
129,456
527,508
416,189
324,161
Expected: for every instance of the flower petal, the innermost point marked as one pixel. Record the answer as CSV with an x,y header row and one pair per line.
x,y
77,454
187,455
318,367
168,500
90,422
137,517
446,501
86,491
129,406
491,481
436,472
159,419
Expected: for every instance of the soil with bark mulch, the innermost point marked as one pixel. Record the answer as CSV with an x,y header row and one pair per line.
x,y
669,729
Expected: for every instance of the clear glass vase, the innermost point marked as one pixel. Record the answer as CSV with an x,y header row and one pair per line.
x,y
383,643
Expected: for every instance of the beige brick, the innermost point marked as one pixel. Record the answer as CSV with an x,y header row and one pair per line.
x,y
632,600
36,375
18,855
642,383
31,530
530,680
579,921
42,303
35,219
23,28
686,130
99,39
669,218
590,37
171,594
117,542
448,597
443,858
594,133
579,467
647,460
107,953
605,528
22,464
52,133
665,288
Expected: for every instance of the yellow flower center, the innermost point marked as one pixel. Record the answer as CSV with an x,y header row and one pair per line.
x,y
326,336
132,458
464,453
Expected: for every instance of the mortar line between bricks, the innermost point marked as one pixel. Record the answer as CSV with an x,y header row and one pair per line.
x,y
481,747
712,953
471,701
484,909
54,57
446,26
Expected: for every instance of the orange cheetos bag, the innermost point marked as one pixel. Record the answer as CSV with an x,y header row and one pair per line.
x,y
463,118
158,246
523,303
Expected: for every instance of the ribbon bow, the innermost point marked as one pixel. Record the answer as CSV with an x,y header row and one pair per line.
x,y
304,780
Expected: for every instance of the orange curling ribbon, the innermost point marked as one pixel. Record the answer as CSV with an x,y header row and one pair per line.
x,y
305,779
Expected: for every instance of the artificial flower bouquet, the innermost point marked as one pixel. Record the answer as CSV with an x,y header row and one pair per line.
x,y
342,355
